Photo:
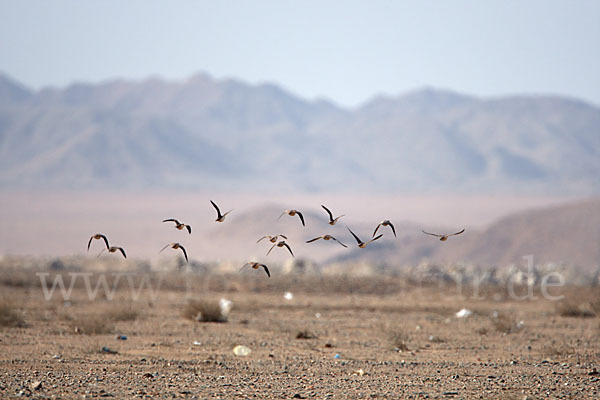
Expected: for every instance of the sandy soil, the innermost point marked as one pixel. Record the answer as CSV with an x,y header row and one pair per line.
x,y
367,338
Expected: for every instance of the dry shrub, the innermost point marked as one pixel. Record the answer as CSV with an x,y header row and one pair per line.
x,y
9,316
571,309
91,324
306,334
204,311
399,340
481,331
554,350
505,323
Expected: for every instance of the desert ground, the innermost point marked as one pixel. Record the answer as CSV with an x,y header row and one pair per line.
x,y
335,337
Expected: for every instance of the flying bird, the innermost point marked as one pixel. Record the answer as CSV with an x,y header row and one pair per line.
x,y
179,225
220,217
256,265
326,237
332,220
98,236
291,213
385,223
176,246
443,238
272,239
281,244
114,249
362,244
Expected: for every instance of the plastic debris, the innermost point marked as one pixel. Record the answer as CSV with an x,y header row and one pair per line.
x,y
336,356
359,372
197,343
109,351
288,295
121,337
225,306
318,315
464,313
241,350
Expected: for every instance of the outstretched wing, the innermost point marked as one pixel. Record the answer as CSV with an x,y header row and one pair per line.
x,y
266,270
170,244
171,220
355,237
301,217
282,214
184,252
432,234
90,243
264,237
216,208
457,233
99,254
312,240
375,231
289,248
271,248
375,238
283,236
328,212
393,229
122,251
244,266
189,228
339,242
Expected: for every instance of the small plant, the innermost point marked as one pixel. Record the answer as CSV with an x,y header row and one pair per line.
x,y
569,309
206,311
9,316
506,324
123,314
399,340
305,334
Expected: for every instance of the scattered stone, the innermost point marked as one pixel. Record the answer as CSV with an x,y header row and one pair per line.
x,y
37,385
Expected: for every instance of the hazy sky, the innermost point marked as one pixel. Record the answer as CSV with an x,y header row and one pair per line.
x,y
346,51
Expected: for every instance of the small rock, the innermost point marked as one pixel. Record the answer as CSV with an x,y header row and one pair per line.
x,y
37,385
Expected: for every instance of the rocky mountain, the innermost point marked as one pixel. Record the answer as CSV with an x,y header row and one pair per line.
x,y
226,135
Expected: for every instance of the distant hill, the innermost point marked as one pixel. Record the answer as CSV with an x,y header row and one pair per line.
x,y
224,135
567,234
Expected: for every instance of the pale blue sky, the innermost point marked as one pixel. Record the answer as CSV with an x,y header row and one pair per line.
x,y
345,51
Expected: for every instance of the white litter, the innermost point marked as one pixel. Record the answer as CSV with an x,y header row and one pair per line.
x,y
288,295
464,313
241,350
225,306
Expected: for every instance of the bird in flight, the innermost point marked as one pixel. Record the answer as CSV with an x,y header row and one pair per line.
x,y
443,238
281,244
256,265
362,244
98,236
220,217
176,246
291,213
114,249
332,220
272,239
326,237
179,225
385,223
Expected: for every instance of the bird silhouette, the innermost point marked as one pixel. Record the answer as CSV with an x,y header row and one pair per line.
x,y
281,244
443,238
272,239
113,249
326,237
176,246
332,220
256,265
179,225
220,217
291,213
98,236
362,244
385,223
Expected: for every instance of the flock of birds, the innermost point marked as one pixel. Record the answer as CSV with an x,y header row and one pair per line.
x,y
273,239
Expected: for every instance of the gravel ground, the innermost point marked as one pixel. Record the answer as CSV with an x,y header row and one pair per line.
x,y
407,344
